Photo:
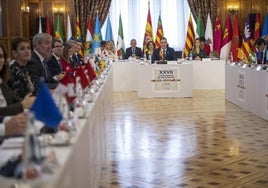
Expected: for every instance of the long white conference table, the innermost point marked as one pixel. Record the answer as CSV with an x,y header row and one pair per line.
x,y
206,74
247,88
81,162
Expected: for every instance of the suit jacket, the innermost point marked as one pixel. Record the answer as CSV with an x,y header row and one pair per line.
x,y
129,53
37,71
13,102
170,55
53,66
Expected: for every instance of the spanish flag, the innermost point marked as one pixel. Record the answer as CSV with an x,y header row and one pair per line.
x,y
148,35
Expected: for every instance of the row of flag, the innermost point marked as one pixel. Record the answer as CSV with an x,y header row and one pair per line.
x,y
227,43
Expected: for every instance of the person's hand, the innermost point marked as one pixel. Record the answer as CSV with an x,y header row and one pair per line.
x,y
28,101
60,76
16,125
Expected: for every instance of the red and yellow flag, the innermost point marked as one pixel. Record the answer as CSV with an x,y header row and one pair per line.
x,y
148,35
190,37
159,32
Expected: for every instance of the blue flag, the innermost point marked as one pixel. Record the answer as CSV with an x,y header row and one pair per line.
x,y
265,27
45,109
109,31
97,38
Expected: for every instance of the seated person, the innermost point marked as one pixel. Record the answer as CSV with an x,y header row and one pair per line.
x,y
10,104
37,66
100,52
150,46
260,50
54,64
109,50
19,80
164,53
197,51
205,45
133,51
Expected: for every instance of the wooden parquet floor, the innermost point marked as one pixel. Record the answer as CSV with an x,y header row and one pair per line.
x,y
198,142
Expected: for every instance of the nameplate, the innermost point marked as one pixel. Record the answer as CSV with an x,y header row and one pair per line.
x,y
172,62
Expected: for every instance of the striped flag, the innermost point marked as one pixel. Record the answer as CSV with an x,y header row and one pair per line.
x,y
97,38
227,39
69,35
159,32
78,36
109,31
148,35
217,36
120,47
190,37
58,32
235,40
247,41
257,28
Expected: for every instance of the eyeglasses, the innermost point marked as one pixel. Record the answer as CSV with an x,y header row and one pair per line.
x,y
58,46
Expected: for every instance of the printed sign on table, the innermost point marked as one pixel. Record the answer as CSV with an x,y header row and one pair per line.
x,y
166,79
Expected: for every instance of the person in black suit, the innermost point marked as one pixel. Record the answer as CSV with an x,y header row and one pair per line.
x,y
260,50
54,64
37,66
133,51
164,53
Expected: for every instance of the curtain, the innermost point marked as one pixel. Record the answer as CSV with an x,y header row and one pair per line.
x,y
85,9
203,7
174,15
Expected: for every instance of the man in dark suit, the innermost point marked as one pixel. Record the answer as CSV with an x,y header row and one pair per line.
x,y
54,64
261,50
37,66
164,53
133,51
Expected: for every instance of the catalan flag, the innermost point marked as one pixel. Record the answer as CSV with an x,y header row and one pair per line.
x,y
190,37
159,32
148,35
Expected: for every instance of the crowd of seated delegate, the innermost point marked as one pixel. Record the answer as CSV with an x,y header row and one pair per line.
x,y
50,60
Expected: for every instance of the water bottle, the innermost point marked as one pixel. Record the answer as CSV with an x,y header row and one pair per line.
x,y
190,55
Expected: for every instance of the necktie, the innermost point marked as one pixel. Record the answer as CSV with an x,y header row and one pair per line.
x,y
59,62
45,69
133,50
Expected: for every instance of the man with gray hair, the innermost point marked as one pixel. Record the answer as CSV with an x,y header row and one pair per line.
x,y
37,66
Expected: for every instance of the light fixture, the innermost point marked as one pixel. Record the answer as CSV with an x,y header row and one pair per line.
x,y
58,10
233,9
25,9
